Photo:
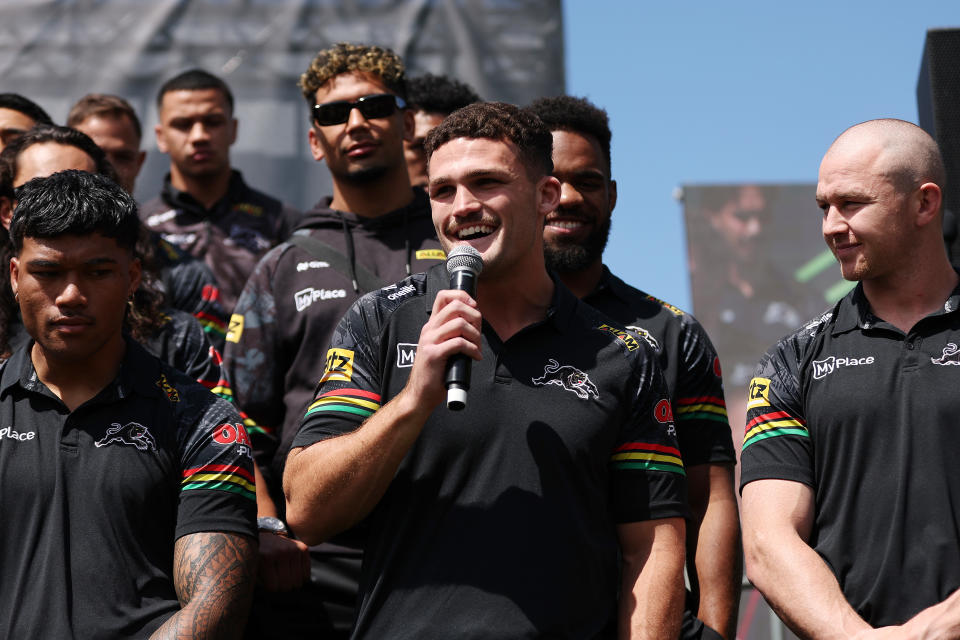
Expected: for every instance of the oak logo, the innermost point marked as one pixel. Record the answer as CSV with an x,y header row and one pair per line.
x,y
406,354
339,366
757,393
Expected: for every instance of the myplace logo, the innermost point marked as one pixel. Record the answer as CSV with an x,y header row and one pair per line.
x,y
308,296
823,368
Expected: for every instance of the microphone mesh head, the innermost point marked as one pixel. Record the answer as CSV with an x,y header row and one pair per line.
x,y
463,256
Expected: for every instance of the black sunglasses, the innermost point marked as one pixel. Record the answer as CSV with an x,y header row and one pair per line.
x,y
378,105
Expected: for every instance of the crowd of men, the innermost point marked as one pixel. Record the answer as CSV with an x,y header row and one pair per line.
x,y
312,483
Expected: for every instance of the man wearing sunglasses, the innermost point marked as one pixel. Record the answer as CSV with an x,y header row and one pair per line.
x,y
374,230
205,207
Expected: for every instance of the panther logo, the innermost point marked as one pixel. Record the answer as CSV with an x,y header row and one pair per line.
x,y
949,357
570,378
131,433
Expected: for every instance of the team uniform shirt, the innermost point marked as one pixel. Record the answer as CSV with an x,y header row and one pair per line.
x,y
94,499
293,302
501,520
689,362
188,285
866,416
230,237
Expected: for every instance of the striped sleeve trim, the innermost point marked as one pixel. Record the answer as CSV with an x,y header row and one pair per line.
x,y
353,401
220,477
771,425
211,323
220,388
701,408
252,427
641,455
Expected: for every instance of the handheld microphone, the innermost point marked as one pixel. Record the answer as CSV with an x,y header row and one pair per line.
x,y
464,264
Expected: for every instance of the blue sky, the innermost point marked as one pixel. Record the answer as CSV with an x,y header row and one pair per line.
x,y
714,93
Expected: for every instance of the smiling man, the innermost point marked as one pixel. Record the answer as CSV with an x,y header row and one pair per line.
x,y
505,519
851,500
128,501
575,236
374,230
206,208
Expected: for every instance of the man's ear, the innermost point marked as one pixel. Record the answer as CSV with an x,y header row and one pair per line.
x,y
612,191
14,275
549,188
315,148
409,125
6,212
930,196
136,272
234,124
158,132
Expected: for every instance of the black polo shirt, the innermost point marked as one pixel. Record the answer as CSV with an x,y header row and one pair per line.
x,y
501,519
867,416
689,362
93,500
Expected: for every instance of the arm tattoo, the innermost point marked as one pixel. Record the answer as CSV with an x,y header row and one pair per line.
x,y
213,575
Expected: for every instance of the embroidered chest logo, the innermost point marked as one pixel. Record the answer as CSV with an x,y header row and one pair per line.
x,y
132,433
949,357
569,378
823,368
172,394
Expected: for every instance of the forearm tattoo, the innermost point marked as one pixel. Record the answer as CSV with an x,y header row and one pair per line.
x,y
213,575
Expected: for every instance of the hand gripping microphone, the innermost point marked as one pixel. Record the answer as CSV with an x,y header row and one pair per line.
x,y
464,264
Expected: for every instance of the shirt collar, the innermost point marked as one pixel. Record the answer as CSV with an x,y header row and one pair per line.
x,y
139,372
853,310
183,200
562,306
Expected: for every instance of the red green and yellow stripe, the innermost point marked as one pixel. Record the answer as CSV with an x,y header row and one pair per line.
x,y
701,408
211,324
252,427
220,477
355,401
648,457
773,424
220,388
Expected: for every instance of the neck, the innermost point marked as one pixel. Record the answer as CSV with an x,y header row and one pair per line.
x,y
905,298
373,199
583,282
76,381
510,304
207,190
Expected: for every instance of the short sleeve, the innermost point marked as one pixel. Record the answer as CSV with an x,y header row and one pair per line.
x,y
776,442
350,390
648,478
701,410
217,490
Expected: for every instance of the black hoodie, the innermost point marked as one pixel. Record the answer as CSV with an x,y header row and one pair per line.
x,y
276,348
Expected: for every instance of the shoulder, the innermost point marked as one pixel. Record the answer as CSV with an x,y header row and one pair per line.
x,y
193,405
783,363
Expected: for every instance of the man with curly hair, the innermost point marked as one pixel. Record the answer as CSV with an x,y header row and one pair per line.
x,y
575,235
557,487
432,98
374,230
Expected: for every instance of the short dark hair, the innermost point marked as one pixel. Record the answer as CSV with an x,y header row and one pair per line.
x,y
577,115
498,121
103,104
76,203
26,106
41,133
439,94
195,80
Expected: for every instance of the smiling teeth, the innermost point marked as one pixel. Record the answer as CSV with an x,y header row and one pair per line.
x,y
565,224
472,231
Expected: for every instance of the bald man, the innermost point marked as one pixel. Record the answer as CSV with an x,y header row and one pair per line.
x,y
851,495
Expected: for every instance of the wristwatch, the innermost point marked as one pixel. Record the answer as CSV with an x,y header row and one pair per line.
x,y
272,525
